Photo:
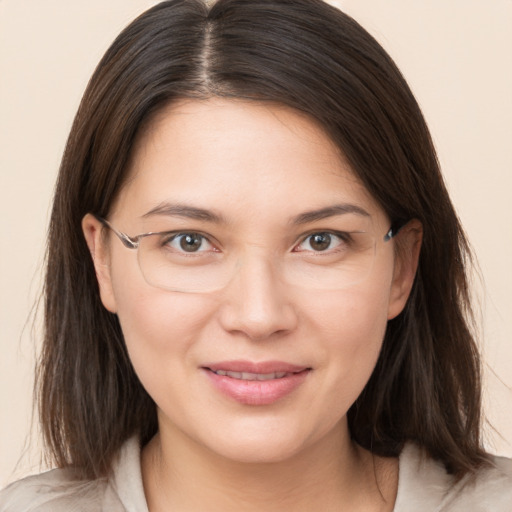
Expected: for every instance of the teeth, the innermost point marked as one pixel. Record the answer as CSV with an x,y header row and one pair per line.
x,y
251,376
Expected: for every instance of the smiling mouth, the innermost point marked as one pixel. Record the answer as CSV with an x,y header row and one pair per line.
x,y
252,376
256,383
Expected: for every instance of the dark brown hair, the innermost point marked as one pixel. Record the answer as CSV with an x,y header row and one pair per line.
x,y
311,57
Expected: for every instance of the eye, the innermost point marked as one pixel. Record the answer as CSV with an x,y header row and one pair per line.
x,y
189,242
322,241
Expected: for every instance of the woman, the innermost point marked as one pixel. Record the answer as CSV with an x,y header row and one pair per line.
x,y
256,294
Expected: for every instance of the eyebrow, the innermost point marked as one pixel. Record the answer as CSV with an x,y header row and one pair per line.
x,y
329,211
186,211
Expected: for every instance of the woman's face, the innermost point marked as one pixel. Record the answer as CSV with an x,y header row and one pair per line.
x,y
267,362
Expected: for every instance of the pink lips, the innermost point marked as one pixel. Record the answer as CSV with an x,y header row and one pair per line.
x,y
256,383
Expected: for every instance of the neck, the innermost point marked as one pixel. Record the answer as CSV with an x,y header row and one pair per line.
x,y
331,475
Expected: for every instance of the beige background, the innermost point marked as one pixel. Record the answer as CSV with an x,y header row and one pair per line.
x,y
456,55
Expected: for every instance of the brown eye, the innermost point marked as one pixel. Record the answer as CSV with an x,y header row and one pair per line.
x,y
189,242
320,241
323,241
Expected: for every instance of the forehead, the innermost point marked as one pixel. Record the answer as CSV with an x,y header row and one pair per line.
x,y
238,156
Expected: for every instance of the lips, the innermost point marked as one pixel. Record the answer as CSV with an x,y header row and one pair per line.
x,y
252,383
252,376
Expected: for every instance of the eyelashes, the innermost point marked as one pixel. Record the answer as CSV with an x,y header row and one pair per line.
x,y
188,242
323,241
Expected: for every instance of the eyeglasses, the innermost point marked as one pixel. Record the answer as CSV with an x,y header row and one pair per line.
x,y
191,262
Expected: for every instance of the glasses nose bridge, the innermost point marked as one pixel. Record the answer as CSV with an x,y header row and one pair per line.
x,y
257,260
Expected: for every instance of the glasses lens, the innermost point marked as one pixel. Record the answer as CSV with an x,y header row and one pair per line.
x,y
183,262
188,263
347,260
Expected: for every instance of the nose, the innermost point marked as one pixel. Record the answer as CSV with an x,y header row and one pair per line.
x,y
256,303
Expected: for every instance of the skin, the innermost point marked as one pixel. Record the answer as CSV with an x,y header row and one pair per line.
x,y
258,165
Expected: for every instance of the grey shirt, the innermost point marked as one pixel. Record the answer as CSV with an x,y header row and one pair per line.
x,y
423,486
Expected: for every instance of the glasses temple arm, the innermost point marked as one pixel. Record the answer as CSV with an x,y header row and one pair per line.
x,y
128,242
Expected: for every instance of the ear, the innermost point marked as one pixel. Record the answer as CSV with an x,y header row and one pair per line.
x,y
407,255
98,247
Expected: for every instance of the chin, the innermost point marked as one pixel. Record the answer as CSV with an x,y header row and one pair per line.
x,y
259,451
269,442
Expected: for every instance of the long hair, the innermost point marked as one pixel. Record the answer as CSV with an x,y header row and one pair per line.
x,y
309,56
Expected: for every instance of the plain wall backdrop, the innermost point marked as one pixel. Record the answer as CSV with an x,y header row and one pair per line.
x,y
457,58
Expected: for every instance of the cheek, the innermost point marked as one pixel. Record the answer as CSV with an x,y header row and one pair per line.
x,y
352,318
353,324
151,319
159,329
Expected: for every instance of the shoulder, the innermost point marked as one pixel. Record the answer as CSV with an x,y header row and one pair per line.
x,y
424,485
57,491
